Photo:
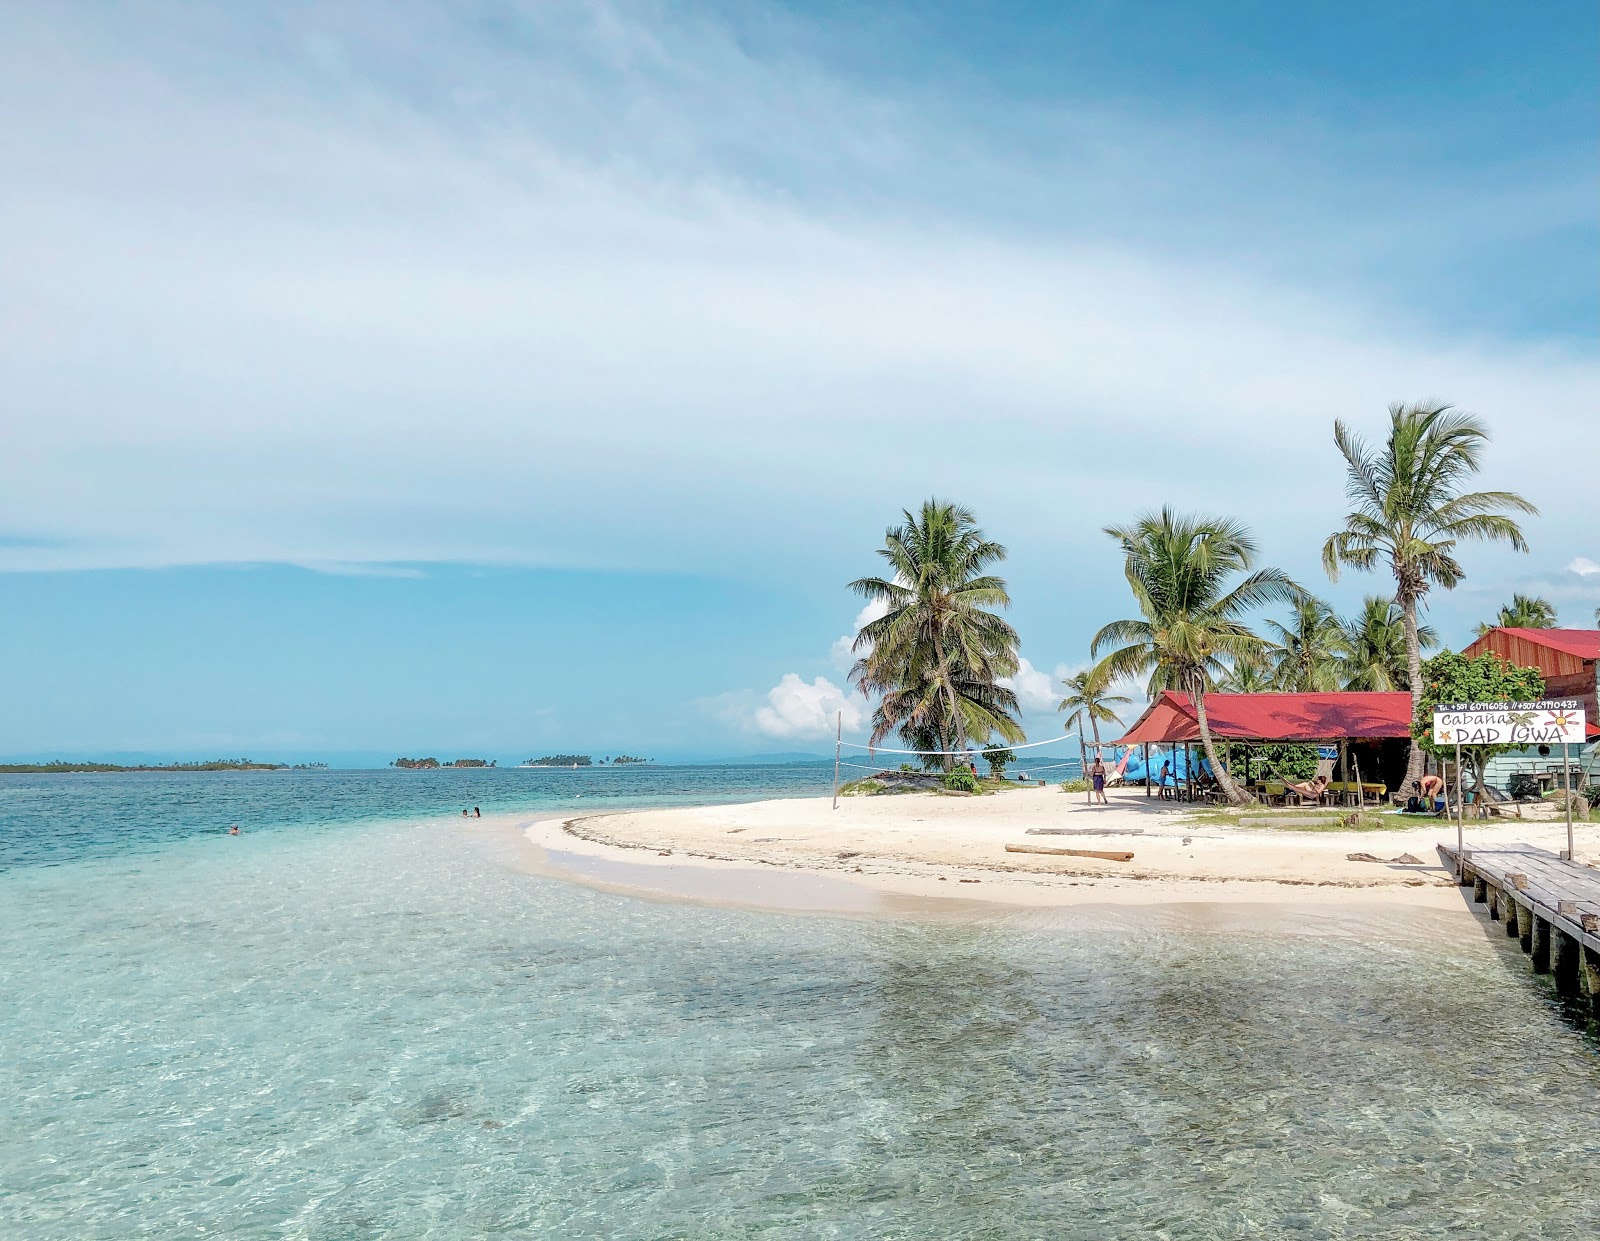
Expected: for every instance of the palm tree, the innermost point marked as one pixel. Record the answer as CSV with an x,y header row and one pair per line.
x,y
1306,653
1375,647
1089,697
1183,572
1408,509
937,654
1247,676
1523,612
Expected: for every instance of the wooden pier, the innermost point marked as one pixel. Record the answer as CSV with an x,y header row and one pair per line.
x,y
1551,906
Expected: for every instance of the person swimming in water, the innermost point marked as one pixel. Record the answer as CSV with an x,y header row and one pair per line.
x,y
476,813
234,830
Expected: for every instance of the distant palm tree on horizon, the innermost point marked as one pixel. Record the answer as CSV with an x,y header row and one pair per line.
x,y
1089,697
1408,509
1181,571
1523,612
938,652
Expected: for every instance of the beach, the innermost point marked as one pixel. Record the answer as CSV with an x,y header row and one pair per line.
x,y
932,847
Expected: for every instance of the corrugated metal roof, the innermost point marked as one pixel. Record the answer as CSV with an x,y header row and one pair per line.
x,y
1274,717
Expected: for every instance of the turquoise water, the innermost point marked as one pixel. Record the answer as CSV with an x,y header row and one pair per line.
x,y
360,1026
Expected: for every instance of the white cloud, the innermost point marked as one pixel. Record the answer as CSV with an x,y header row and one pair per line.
x,y
842,653
308,295
1583,566
798,709
1036,690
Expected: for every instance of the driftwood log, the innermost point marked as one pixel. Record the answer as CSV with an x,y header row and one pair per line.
x,y
1103,855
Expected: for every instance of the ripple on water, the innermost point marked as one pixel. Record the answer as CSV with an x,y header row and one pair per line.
x,y
380,1031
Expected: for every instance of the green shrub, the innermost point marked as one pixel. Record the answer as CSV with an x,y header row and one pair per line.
x,y
1593,794
1075,786
862,788
909,767
961,781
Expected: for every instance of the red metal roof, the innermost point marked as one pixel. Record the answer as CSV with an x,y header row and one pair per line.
x,y
1583,643
1274,717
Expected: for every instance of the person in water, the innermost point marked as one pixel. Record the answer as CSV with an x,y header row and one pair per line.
x,y
476,813
1097,777
234,830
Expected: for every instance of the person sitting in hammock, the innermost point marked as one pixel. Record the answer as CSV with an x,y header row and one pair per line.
x,y
1310,790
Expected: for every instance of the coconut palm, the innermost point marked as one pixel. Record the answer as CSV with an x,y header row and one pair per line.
x,y
1089,697
937,654
1193,578
1247,676
1305,653
1408,509
1523,612
1375,647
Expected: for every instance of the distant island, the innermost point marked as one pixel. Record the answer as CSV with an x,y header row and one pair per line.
x,y
583,760
216,764
433,764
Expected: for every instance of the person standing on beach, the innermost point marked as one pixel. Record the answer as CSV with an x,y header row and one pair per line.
x,y
1097,778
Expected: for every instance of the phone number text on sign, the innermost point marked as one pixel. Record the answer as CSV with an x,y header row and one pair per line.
x,y
1555,721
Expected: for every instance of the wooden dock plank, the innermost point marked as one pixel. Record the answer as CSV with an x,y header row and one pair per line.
x,y
1547,880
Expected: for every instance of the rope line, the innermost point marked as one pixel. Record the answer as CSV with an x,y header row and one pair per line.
x,y
876,749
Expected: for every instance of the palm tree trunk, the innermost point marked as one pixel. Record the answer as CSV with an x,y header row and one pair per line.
x,y
1235,795
1408,614
955,738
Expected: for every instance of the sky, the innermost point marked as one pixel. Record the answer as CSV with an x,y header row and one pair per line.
x,y
496,378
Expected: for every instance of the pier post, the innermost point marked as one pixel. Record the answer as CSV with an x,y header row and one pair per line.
x,y
1523,927
1495,901
1566,962
1589,969
1510,907
1539,947
1479,890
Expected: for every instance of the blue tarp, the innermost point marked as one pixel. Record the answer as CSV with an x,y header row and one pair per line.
x,y
1178,772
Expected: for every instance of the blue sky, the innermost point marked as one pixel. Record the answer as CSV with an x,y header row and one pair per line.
x,y
505,377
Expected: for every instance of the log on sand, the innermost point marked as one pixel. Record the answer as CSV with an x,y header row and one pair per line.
x,y
1103,855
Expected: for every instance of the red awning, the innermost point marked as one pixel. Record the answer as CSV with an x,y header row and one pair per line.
x,y
1274,717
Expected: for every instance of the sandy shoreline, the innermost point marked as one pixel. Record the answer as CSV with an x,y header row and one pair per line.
x,y
928,852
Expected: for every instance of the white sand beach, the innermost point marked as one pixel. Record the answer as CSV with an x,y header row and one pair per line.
x,y
932,846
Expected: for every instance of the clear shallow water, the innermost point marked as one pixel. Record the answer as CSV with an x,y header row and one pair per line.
x,y
379,1029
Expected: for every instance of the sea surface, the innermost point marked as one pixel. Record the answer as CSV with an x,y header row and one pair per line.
x,y
358,1020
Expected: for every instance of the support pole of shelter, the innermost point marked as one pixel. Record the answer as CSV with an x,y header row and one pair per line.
x,y
1461,829
1147,792
1083,762
1566,782
838,744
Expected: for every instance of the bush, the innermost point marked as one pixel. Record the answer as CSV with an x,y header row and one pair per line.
x,y
909,767
1593,794
961,781
1075,786
862,788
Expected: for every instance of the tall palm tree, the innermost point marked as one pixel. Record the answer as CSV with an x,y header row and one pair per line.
x,y
1193,578
937,654
1523,612
1305,653
1407,508
1247,676
1089,697
1375,647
